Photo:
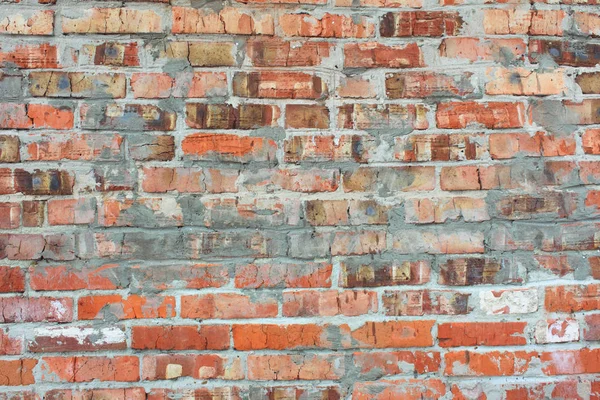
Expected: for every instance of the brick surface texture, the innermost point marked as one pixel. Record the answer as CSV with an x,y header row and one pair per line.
x,y
299,199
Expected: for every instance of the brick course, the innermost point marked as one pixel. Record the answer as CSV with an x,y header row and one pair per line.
x,y
299,199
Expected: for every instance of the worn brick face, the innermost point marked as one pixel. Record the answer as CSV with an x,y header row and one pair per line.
x,y
299,199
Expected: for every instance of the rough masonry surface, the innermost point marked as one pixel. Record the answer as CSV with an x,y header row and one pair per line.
x,y
299,199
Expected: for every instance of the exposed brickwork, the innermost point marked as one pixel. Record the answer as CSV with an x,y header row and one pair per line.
x,y
299,199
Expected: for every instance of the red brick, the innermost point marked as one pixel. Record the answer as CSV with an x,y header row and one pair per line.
x,y
184,84
188,180
225,116
39,22
17,372
524,82
180,337
225,147
420,23
590,141
85,147
570,362
12,279
408,389
327,25
71,211
228,306
131,307
425,302
272,52
397,362
557,331
228,20
458,334
292,275
482,49
428,84
309,303
76,85
10,344
587,23
493,115
87,369
389,180
523,22
31,56
439,210
572,53
204,366
279,85
116,394
572,298
36,309
112,54
493,363
437,241
305,116
295,367
512,145
10,215
388,116
376,55
591,330
372,273
113,20
78,338
63,277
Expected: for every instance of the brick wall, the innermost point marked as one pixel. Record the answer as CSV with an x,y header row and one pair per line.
x,y
299,199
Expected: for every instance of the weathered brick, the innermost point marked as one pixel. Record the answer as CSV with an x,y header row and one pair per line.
x,y
493,115
85,147
482,49
183,84
300,116
377,55
111,54
573,53
180,337
524,82
132,117
228,20
205,366
225,116
112,20
389,180
86,369
38,22
427,84
388,116
77,338
30,56
272,52
327,25
420,23
410,389
425,302
76,85
308,303
132,307
457,334
36,309
523,22
18,372
227,306
491,363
